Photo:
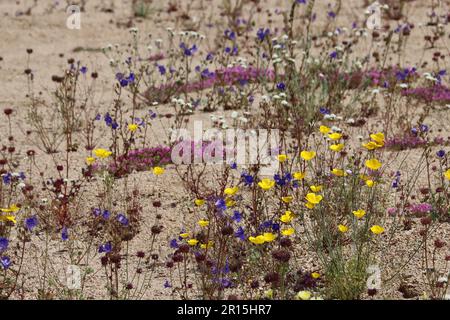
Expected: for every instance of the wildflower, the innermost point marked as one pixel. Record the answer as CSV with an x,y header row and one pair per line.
x,y
247,178
102,153
342,228
199,202
282,158
240,233
184,235
370,183
229,203
5,262
371,145
167,284
3,244
287,199
310,205
339,172
266,184
90,160
359,213
377,229
316,188
337,147
303,295
288,232
440,153
173,243
335,136
269,237
192,242
231,191
122,219
207,245
158,171
314,198
12,209
133,127
64,234
315,275
31,223
373,164
105,248
287,217
307,155
203,223
378,138
257,240
447,174
299,175
8,217
324,129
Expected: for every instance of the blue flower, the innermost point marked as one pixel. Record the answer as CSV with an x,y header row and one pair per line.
x,y
221,205
281,86
64,234
230,34
7,178
324,110
440,153
414,131
331,14
123,83
105,248
31,223
167,284
209,56
333,55
262,34
423,128
174,243
96,211
247,179
162,69
240,233
225,283
237,216
5,262
122,219
106,214
83,70
3,244
301,1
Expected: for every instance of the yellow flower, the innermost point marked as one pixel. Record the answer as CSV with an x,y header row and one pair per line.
x,y
90,160
257,240
303,295
378,138
373,164
133,127
310,205
287,199
315,275
335,136
324,129
208,245
231,191
370,183
287,217
268,294
359,213
8,217
269,236
316,188
282,158
203,223
447,174
192,242
184,235
307,155
230,202
339,172
377,229
158,171
371,145
12,208
288,232
314,198
199,202
102,153
337,147
299,175
342,228
266,184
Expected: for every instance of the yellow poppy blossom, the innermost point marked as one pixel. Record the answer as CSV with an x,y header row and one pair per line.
x,y
184,235
90,160
299,175
377,229
310,205
373,164
303,295
102,153
8,217
378,137
314,198
229,202
192,242
257,240
133,127
266,184
316,188
335,136
269,236
288,232
337,147
447,174
287,217
199,202
231,191
287,199
282,158
12,208
203,223
370,183
307,155
342,228
315,275
324,129
359,213
339,172
158,171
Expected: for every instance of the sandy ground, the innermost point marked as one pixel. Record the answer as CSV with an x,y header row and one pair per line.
x,y
107,22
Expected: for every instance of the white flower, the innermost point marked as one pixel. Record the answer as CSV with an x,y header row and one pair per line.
x,y
234,114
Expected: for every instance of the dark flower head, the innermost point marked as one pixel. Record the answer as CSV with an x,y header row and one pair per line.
x,y
31,223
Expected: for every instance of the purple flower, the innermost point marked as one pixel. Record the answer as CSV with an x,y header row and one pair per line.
x,y
106,214
3,244
31,223
240,233
262,34
7,178
161,69
64,234
122,219
237,216
247,178
106,248
281,86
423,128
167,284
333,55
440,153
83,70
174,243
221,205
5,262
